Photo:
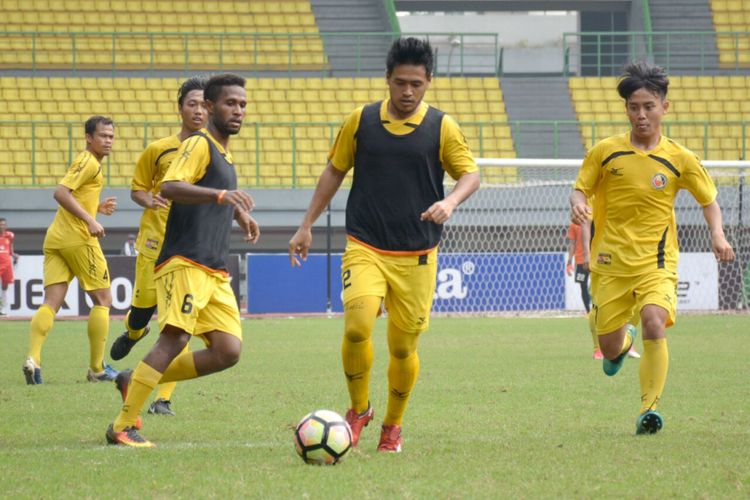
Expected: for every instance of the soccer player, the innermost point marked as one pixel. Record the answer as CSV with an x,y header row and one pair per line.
x,y
72,249
8,259
399,150
193,288
145,191
635,178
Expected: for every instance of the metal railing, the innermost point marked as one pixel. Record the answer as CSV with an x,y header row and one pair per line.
x,y
605,53
248,53
37,153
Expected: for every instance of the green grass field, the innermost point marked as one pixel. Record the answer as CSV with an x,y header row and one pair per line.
x,y
503,408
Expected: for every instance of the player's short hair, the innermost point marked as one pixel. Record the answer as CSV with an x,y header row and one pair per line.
x,y
643,75
410,50
192,83
92,122
216,83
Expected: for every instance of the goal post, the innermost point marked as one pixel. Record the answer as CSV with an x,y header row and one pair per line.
x,y
504,249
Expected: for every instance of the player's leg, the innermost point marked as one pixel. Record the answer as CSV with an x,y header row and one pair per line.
x,y
162,404
143,380
90,267
591,316
615,305
657,313
364,287
409,302
57,275
582,277
6,279
141,309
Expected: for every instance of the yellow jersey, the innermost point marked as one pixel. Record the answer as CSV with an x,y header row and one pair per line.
x,y
85,179
149,172
635,230
455,154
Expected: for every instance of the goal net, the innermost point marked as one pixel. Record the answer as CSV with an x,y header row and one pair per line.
x,y
505,249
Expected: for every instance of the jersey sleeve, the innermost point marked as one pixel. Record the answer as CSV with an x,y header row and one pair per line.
x,y
145,171
588,175
455,154
191,161
344,148
695,179
83,169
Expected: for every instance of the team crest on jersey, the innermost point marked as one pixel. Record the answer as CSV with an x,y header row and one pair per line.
x,y
659,181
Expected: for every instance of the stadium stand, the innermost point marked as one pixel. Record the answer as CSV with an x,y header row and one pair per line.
x,y
290,126
257,35
721,100
732,16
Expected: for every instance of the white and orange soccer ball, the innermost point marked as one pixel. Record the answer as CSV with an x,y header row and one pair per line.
x,y
322,438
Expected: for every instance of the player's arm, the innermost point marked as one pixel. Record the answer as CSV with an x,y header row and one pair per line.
x,y
248,225
147,199
190,194
328,183
580,211
458,162
13,253
586,242
64,197
719,244
584,187
441,211
143,181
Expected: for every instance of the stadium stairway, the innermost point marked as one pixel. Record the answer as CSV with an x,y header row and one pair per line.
x,y
542,98
685,51
353,16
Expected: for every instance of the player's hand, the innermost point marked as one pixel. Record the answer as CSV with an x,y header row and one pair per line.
x,y
569,269
158,201
586,266
722,249
249,226
299,245
96,229
439,212
580,213
108,206
240,200
15,259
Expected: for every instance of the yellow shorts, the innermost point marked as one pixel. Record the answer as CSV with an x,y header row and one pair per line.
x,y
407,283
86,262
144,290
617,299
196,300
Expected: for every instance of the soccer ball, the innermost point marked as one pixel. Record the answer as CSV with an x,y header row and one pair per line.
x,y
322,438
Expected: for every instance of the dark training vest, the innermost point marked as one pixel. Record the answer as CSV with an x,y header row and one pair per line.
x,y
201,232
396,178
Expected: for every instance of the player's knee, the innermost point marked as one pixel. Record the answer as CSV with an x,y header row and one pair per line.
x,y
230,355
140,316
101,297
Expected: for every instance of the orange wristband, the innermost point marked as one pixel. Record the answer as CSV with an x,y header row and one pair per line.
x,y
220,196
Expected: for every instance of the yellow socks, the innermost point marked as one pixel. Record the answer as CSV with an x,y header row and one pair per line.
x,y
41,324
182,367
132,334
165,389
143,381
403,370
356,348
98,330
653,372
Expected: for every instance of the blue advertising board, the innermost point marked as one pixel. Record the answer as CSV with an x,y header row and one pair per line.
x,y
466,282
